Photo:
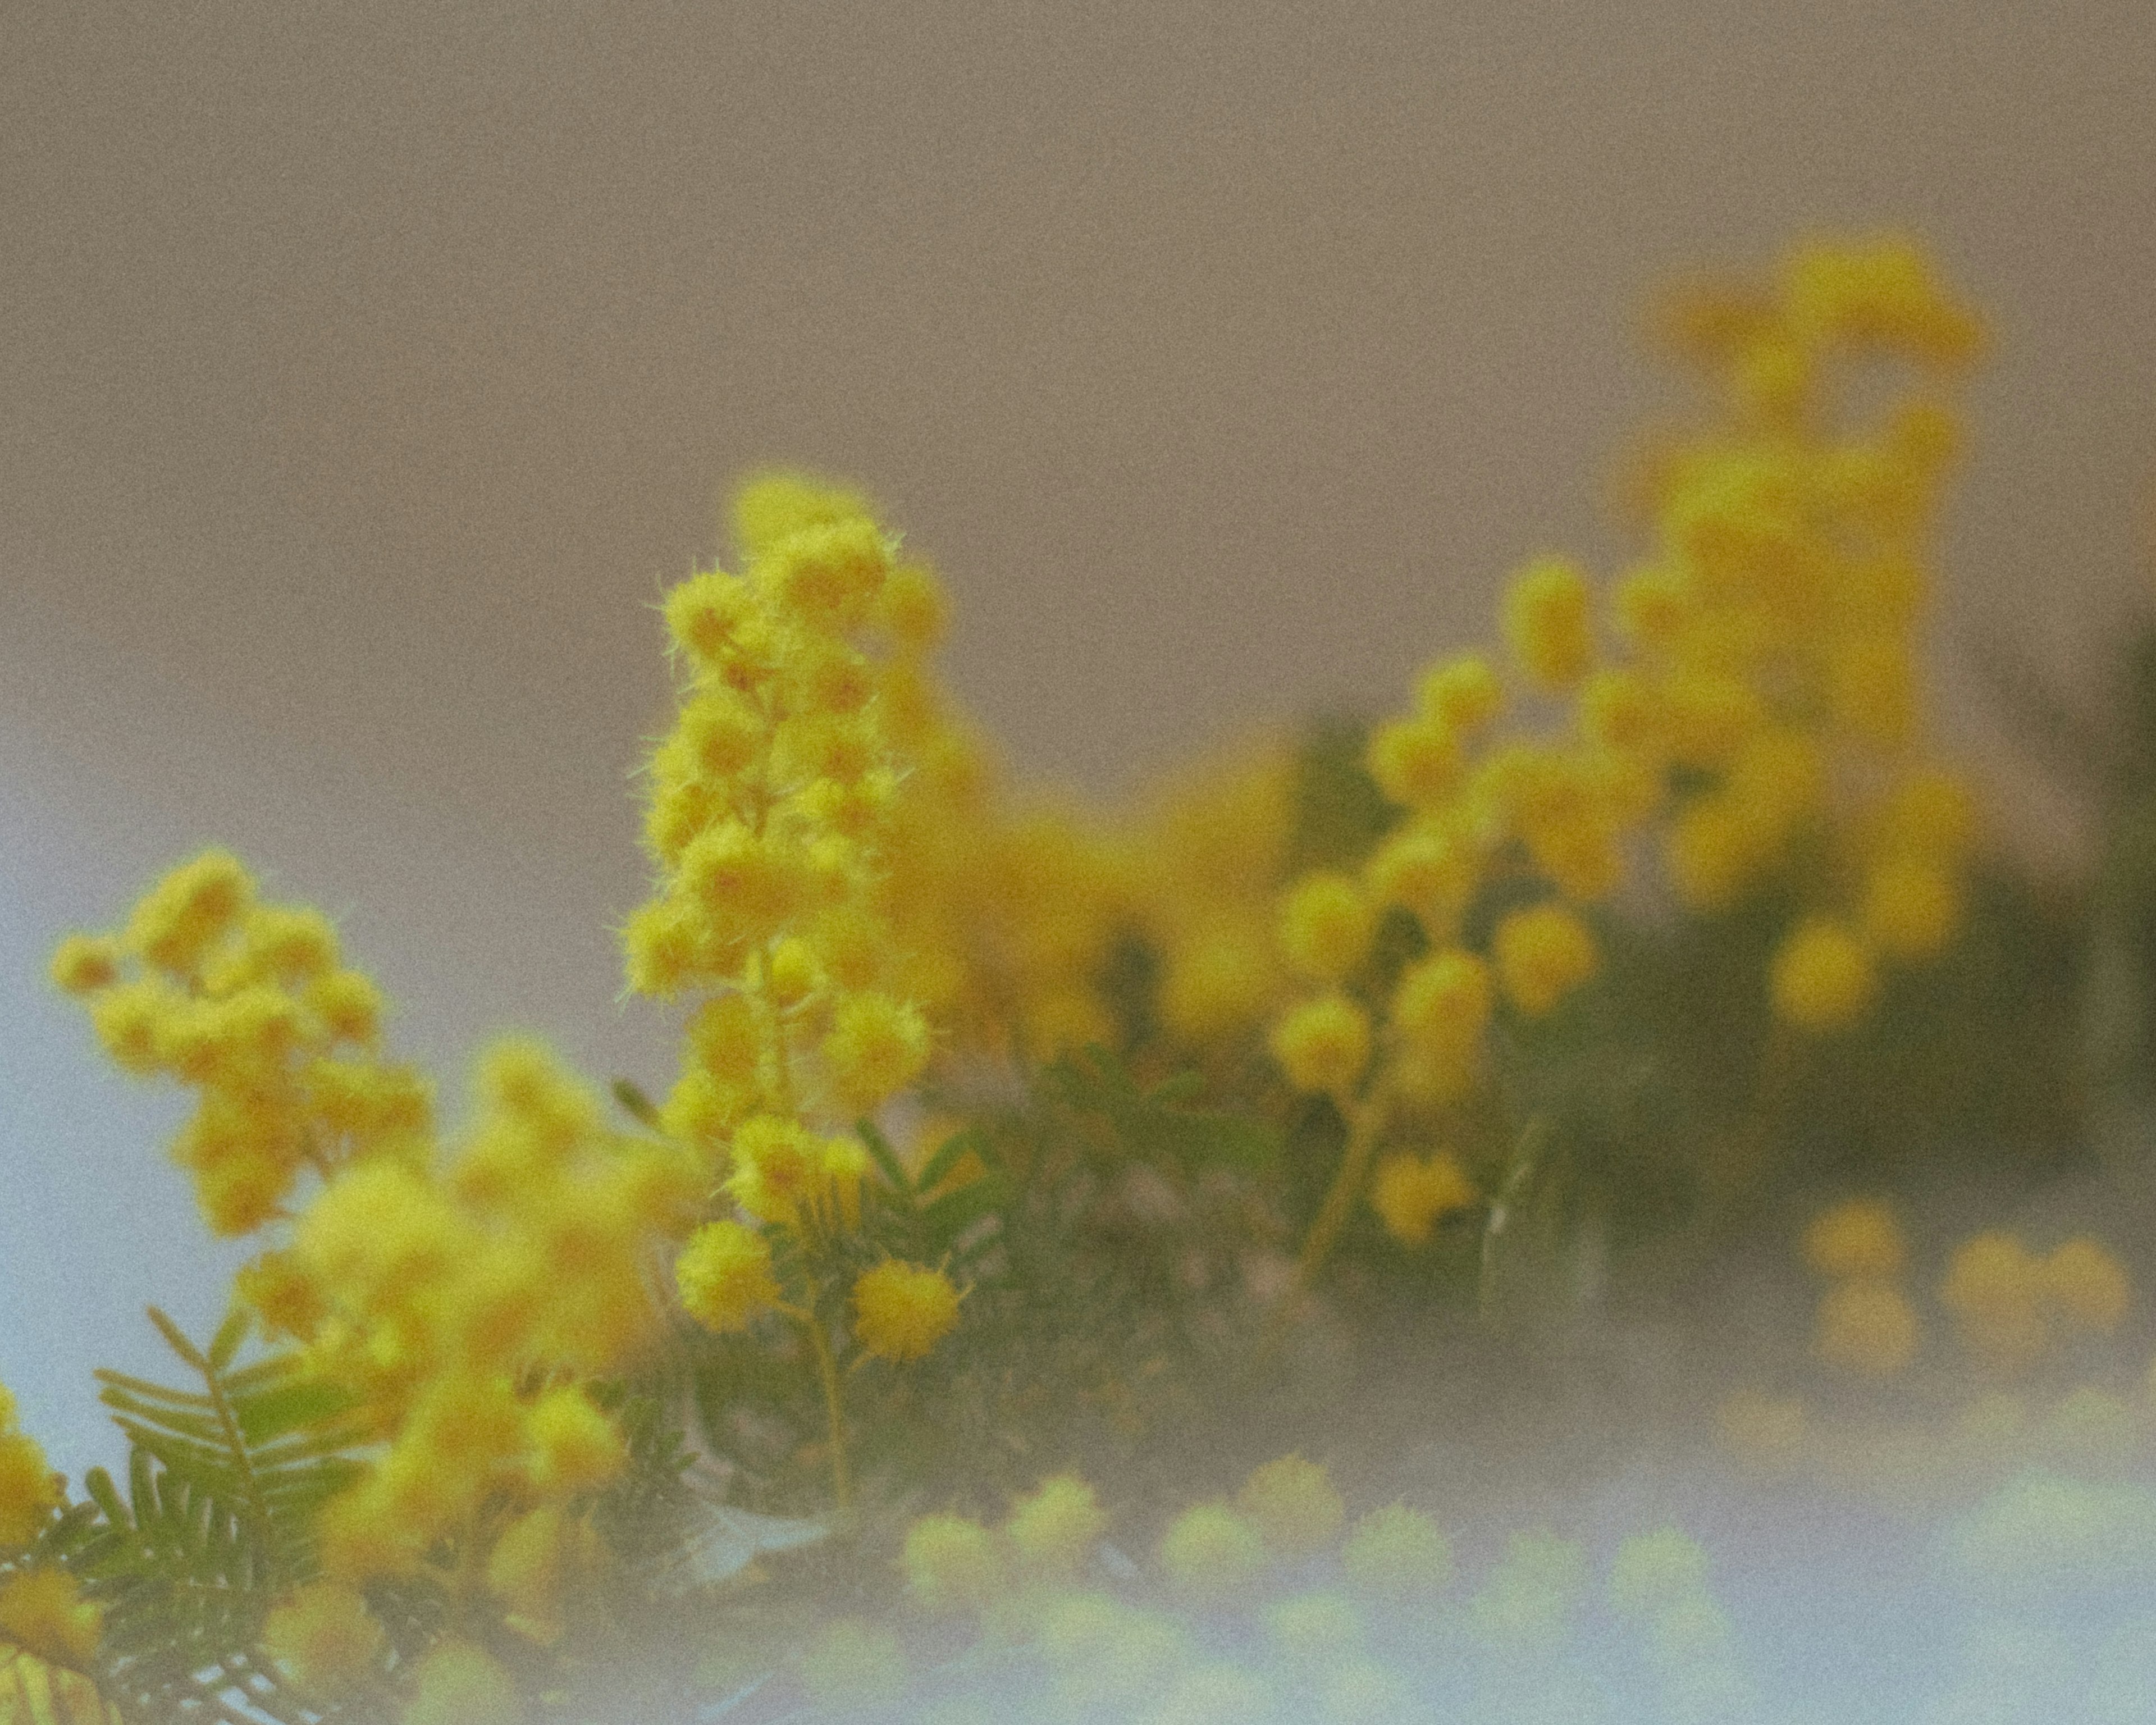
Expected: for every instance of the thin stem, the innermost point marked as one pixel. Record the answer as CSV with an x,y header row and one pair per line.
x,y
1364,1124
834,1405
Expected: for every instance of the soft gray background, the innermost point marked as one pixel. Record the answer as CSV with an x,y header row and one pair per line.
x,y
366,370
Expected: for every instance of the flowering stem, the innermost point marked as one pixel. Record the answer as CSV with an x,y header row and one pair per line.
x,y
834,1406
1364,1124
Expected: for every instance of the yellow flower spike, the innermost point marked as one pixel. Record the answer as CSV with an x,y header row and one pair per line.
x,y
1912,908
901,1311
1415,761
878,1046
952,1565
1858,1238
1546,624
1398,1553
1212,1555
724,1277
1823,978
1054,1529
1866,1326
794,973
1325,927
1412,1194
1293,1505
83,963
575,1447
195,906
42,1612
1543,954
2083,1282
1323,1045
457,1683
323,1636
1462,694
719,733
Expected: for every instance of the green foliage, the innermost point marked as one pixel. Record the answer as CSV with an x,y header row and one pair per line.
x,y
215,1525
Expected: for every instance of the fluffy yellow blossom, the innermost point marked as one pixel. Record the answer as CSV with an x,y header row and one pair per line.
x,y
1441,1007
1325,927
574,1445
83,963
1546,622
1867,1327
724,1277
1411,1194
1293,1505
1912,907
877,1047
1212,1555
1398,1553
42,1612
1054,1529
952,1564
2085,1284
1324,1044
1416,762
29,1491
1824,979
323,1635
457,1683
1860,1238
901,1311
1543,954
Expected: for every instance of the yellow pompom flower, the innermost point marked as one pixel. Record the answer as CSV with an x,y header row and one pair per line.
x,y
1860,1238
1429,869
575,1447
901,1311
1868,1327
1293,1505
1415,761
1912,907
877,1047
952,1564
1546,622
1398,1553
83,963
1463,693
724,1277
1543,953
323,1635
1212,1555
180,918
1441,1006
457,1683
1324,1044
1823,978
42,1612
2086,1284
1411,1194
1054,1529
1325,927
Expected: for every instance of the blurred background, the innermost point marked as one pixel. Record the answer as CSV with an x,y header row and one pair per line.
x,y
367,373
